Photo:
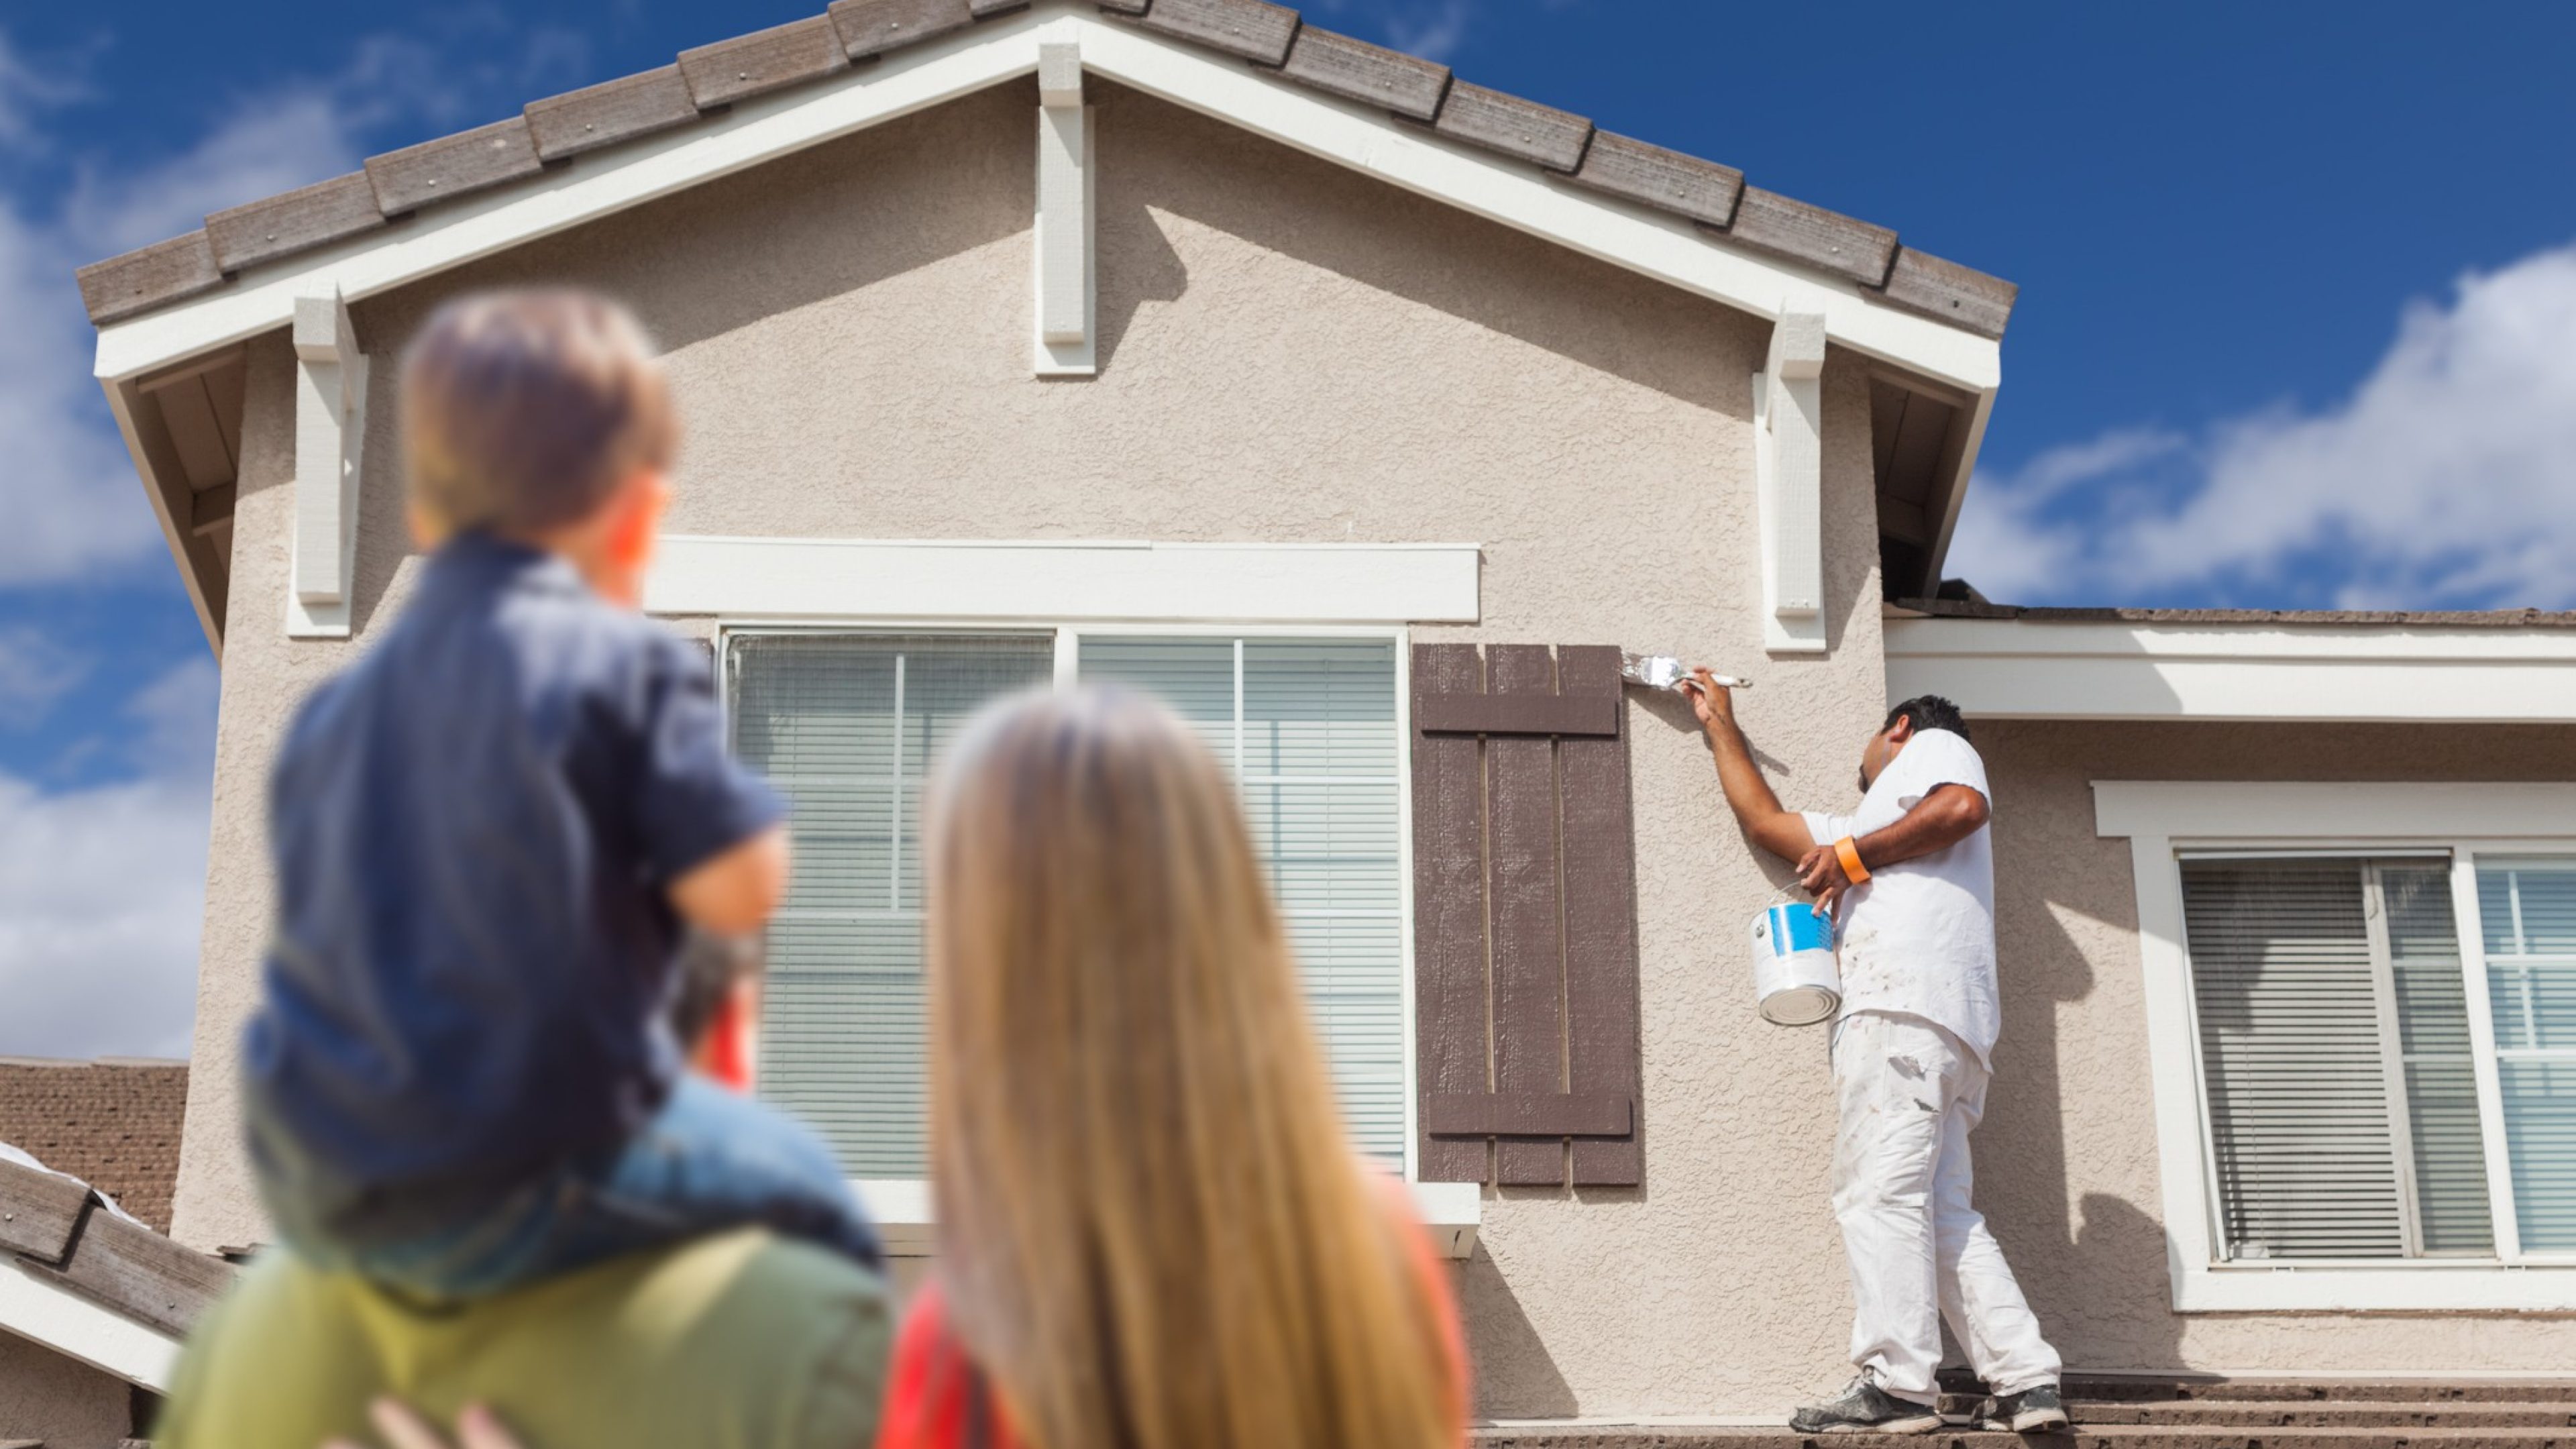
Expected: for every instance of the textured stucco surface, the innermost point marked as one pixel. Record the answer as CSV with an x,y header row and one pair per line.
x,y
1294,353
60,1401
2067,1156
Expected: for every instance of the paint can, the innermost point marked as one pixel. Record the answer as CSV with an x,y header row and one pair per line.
x,y
1795,979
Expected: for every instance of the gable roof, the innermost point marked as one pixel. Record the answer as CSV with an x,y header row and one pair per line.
x,y
706,82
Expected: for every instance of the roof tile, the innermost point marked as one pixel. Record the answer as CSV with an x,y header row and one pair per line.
x,y
1483,117
111,1124
1667,180
873,27
1964,296
311,216
2418,618
763,61
1407,85
1254,29
610,112
141,280
453,166
1768,221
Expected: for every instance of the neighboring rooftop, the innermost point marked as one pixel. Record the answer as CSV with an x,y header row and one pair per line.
x,y
710,79
2411,618
113,1124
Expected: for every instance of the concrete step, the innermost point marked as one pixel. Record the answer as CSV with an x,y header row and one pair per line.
x,y
2108,1389
2084,1436
2328,1414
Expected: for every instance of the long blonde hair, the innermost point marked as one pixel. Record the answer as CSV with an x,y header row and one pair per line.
x,y
1154,1232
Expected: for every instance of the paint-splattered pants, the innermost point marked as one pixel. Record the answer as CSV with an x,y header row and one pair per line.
x,y
1910,1093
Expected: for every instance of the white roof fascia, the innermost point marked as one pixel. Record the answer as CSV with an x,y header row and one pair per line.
x,y
2043,669
1667,248
72,1324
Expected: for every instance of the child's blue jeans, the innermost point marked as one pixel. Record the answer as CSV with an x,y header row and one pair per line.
x,y
710,1161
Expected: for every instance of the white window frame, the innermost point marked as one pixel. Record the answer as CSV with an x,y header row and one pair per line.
x,y
2163,820
902,1206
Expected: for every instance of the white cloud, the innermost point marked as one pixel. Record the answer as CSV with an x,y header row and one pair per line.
x,y
35,671
1433,29
101,890
2446,479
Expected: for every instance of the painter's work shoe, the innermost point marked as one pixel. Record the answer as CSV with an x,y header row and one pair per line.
x,y
1865,1408
2032,1411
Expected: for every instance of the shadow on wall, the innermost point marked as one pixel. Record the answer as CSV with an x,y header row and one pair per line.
x,y
1514,1376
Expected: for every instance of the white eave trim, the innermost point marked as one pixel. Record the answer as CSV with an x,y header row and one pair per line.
x,y
2031,669
1667,248
42,1311
1072,581
900,1207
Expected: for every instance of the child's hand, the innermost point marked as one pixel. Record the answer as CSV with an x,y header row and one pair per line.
x,y
476,1428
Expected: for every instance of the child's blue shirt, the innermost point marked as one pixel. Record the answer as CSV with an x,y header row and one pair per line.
x,y
475,827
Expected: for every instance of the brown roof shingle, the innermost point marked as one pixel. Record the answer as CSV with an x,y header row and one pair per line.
x,y
1270,37
112,1124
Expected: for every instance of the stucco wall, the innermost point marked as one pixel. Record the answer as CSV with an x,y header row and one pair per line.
x,y
1290,353
2066,1160
60,1401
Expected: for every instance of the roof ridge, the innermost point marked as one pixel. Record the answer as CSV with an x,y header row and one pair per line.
x,y
708,79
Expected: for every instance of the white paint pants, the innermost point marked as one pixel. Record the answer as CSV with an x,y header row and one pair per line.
x,y
1909,1094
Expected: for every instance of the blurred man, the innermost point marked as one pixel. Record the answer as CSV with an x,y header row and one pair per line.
x,y
1909,878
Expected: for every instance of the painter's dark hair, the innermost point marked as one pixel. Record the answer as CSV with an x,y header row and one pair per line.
x,y
1928,712
708,967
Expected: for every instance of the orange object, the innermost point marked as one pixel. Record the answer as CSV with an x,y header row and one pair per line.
x,y
1848,851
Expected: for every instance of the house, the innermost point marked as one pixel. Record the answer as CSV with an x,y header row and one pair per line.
x,y
1364,412
91,1293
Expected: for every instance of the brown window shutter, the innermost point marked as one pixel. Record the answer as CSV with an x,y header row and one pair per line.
x,y
1525,940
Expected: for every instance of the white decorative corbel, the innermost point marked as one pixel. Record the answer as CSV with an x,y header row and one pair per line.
x,y
1788,468
1066,305
330,429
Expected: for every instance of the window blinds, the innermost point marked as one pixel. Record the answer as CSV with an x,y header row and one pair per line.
x,y
2335,1059
847,727
1307,727
2527,913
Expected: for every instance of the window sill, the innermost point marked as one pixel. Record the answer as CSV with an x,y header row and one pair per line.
x,y
2422,1286
1451,1212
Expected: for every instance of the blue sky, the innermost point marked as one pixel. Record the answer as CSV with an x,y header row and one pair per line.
x,y
2297,328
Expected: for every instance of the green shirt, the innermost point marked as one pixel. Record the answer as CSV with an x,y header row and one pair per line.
x,y
742,1341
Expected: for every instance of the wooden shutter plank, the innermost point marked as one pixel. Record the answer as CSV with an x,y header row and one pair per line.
x,y
1524,714
1570,1114
1601,1029
1449,994
39,1211
1529,977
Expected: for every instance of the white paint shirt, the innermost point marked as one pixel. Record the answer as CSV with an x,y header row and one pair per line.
x,y
1918,938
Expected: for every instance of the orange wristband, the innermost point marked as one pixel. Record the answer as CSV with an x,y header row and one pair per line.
x,y
1849,853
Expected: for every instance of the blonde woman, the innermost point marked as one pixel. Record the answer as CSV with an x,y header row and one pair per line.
x,y
1153,1231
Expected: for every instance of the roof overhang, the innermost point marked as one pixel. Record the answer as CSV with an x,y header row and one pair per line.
x,y
136,353
1668,248
2324,671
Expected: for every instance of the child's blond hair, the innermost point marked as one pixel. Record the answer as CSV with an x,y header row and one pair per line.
x,y
524,411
